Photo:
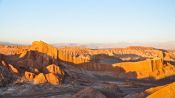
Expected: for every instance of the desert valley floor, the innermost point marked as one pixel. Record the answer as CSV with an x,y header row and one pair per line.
x,y
44,71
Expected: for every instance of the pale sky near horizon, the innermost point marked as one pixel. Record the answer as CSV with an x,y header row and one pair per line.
x,y
87,21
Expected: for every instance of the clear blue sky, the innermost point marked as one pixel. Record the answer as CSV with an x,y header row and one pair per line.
x,y
87,21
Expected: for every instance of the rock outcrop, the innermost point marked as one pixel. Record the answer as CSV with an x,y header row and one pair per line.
x,y
41,59
29,75
55,69
13,69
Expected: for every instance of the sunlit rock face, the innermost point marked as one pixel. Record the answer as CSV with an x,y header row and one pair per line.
x,y
40,79
165,91
53,79
13,69
45,48
151,68
29,75
55,69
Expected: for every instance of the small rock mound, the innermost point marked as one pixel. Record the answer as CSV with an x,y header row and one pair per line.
x,y
111,91
89,93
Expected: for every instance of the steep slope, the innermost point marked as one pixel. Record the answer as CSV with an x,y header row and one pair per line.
x,y
166,91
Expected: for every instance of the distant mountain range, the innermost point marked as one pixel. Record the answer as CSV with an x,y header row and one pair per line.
x,y
160,45
7,43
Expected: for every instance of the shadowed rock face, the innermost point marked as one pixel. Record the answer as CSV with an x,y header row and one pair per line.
x,y
5,76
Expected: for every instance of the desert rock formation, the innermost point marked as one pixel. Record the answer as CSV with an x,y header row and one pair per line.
x,y
84,72
32,62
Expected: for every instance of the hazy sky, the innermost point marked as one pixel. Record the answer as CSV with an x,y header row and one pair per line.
x,y
87,21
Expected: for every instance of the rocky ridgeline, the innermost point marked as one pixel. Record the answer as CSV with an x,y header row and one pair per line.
x,y
89,59
12,50
131,62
